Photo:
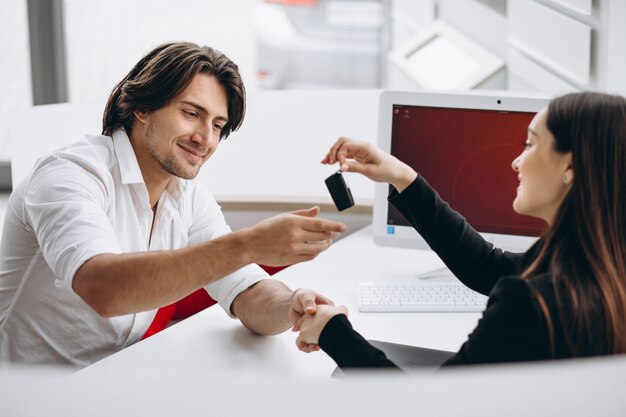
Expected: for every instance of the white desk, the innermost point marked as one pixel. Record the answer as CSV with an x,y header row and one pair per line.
x,y
210,365
212,341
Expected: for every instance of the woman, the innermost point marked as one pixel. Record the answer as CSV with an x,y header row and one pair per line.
x,y
566,296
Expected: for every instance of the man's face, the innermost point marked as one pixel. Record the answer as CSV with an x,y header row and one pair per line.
x,y
182,135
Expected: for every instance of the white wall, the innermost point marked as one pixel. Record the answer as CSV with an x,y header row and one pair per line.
x,y
15,79
106,38
409,17
615,58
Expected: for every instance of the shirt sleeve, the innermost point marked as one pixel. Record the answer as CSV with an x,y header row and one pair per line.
x,y
208,223
512,328
65,205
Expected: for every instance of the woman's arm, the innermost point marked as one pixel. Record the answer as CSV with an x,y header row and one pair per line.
x,y
464,251
472,259
330,328
512,329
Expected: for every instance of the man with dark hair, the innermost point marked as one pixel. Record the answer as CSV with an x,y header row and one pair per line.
x,y
109,229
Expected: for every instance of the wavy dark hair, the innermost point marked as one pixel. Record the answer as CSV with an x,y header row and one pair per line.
x,y
585,247
162,74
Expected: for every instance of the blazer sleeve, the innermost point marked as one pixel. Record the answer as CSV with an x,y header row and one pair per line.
x,y
512,328
348,348
474,261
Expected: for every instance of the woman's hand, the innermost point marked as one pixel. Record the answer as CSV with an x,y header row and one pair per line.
x,y
310,326
365,158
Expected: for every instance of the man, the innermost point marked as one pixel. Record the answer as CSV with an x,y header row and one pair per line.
x,y
109,229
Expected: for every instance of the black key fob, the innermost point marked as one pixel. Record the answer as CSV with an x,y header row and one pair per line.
x,y
339,191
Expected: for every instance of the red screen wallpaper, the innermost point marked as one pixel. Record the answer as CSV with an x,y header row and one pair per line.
x,y
466,156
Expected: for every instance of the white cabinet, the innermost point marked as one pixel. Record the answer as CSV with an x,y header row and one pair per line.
x,y
527,75
580,6
553,39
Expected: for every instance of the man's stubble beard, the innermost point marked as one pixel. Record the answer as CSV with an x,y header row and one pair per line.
x,y
167,162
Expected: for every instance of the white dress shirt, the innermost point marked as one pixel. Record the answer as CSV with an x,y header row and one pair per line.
x,y
83,200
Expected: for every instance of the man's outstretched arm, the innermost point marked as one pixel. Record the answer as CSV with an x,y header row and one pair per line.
x,y
117,284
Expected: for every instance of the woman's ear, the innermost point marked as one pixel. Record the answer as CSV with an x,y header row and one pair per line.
x,y
568,175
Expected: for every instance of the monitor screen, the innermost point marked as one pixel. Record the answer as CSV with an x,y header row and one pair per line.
x,y
463,145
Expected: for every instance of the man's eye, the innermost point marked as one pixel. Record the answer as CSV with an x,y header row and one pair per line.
x,y
191,114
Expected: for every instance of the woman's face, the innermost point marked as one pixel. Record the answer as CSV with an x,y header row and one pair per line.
x,y
545,175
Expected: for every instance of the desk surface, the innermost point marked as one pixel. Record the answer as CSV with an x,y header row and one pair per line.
x,y
210,363
212,341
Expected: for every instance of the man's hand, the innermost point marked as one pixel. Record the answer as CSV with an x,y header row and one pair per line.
x,y
270,307
311,326
291,238
306,302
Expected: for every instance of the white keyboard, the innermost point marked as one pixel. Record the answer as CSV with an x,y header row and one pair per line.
x,y
419,297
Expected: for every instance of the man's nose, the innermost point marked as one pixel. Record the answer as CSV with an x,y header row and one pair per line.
x,y
205,137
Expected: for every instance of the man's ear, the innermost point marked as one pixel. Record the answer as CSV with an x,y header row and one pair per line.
x,y
140,115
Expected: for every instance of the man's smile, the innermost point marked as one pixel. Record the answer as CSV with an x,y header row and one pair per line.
x,y
192,153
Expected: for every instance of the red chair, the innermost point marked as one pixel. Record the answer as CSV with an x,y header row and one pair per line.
x,y
188,306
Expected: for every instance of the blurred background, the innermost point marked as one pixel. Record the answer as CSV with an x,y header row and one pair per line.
x,y
54,51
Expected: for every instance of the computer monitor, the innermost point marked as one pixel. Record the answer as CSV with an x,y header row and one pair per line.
x,y
463,145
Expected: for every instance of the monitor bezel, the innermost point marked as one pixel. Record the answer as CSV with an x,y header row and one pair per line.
x,y
406,236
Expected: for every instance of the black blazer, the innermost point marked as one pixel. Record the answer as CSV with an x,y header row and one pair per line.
x,y
512,328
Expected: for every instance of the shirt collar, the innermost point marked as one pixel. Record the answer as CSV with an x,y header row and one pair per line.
x,y
129,167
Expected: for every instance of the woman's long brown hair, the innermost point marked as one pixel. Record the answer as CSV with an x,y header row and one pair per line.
x,y
585,247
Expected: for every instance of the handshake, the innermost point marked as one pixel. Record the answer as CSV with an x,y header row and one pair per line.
x,y
310,312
